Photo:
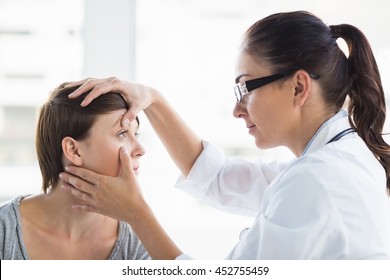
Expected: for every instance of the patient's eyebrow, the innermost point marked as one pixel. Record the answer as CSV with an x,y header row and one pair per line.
x,y
118,121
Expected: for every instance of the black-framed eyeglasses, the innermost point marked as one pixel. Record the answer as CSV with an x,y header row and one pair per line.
x,y
241,89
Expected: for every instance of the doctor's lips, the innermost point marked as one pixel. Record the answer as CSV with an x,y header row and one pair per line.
x,y
250,127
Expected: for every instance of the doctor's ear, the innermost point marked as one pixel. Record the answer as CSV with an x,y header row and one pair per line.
x,y
302,85
71,150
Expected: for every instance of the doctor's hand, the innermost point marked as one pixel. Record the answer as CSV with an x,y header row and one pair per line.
x,y
138,96
182,143
120,198
116,197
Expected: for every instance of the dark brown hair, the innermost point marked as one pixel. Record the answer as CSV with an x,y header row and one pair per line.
x,y
61,116
300,40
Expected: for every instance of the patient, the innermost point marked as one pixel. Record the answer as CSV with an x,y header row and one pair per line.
x,y
45,226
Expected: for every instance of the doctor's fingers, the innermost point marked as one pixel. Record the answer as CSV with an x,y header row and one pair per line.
x,y
85,174
85,197
80,182
85,85
97,88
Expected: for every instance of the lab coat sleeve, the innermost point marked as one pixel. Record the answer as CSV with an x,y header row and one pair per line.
x,y
298,220
232,185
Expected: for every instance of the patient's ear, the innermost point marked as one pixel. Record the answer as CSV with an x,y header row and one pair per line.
x,y
70,148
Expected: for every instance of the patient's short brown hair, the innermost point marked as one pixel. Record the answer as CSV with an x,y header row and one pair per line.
x,y
61,116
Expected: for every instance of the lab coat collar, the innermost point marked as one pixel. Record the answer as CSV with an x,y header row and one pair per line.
x,y
327,131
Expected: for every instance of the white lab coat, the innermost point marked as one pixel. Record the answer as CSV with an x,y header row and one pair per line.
x,y
330,203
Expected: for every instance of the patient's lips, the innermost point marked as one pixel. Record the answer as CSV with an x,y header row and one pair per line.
x,y
136,169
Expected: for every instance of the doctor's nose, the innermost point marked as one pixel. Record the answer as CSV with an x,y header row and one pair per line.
x,y
239,110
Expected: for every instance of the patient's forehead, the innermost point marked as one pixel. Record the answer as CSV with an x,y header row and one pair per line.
x,y
109,120
113,120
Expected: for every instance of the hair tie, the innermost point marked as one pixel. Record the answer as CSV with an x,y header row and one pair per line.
x,y
335,30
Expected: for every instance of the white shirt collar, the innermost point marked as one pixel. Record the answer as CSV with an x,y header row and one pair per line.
x,y
327,131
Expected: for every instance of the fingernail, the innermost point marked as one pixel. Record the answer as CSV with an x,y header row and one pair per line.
x,y
83,103
68,85
72,93
126,122
124,149
65,188
61,176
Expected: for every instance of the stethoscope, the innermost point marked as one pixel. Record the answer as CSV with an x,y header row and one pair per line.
x,y
342,134
334,139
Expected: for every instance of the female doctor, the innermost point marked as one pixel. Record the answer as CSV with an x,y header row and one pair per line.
x,y
331,202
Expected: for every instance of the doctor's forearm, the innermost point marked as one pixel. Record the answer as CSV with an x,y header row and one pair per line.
x,y
152,235
183,145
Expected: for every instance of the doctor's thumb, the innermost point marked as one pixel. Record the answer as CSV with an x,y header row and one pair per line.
x,y
128,117
126,166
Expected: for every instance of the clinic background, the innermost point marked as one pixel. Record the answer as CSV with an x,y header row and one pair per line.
x,y
184,48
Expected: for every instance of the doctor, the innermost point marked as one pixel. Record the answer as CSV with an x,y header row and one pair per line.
x,y
331,202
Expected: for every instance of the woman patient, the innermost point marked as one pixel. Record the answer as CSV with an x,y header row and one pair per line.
x,y
44,226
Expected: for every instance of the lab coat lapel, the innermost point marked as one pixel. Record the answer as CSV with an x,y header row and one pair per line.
x,y
327,131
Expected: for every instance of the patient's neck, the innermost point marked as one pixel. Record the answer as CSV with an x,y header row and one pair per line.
x,y
58,207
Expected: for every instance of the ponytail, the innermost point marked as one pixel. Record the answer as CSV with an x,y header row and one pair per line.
x,y
313,47
367,108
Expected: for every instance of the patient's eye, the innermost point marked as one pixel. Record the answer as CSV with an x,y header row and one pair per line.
x,y
123,133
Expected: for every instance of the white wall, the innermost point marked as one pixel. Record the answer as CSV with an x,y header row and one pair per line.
x,y
108,36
